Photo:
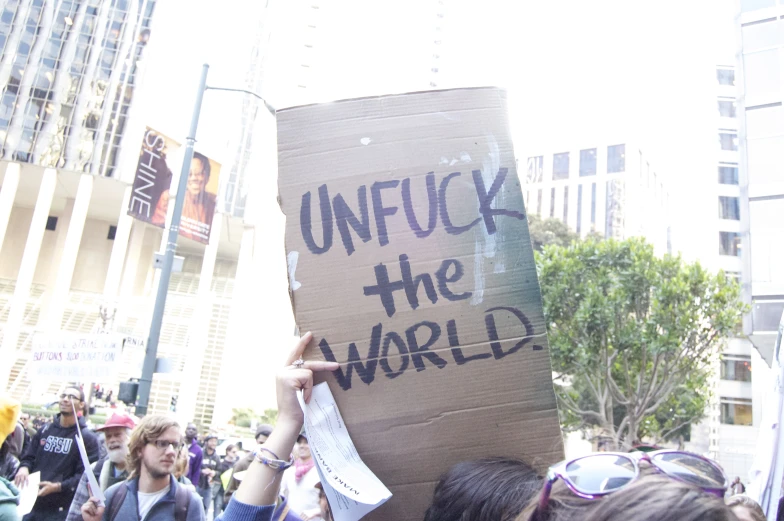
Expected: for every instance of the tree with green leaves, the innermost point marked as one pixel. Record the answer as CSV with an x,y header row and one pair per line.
x,y
632,336
550,231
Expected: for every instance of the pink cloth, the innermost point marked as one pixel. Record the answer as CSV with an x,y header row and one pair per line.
x,y
302,467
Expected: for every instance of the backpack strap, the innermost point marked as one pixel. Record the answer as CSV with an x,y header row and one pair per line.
x,y
116,502
282,511
182,500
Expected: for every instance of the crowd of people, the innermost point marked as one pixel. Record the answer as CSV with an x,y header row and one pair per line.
x,y
154,470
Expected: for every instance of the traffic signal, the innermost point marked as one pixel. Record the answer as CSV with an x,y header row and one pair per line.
x,y
128,392
174,403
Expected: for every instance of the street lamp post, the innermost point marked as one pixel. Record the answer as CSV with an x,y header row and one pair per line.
x,y
151,355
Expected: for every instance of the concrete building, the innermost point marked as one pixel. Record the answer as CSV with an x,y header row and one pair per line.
x,y
612,190
729,432
757,237
761,144
71,75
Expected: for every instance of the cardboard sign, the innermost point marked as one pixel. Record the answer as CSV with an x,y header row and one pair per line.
x,y
410,261
75,357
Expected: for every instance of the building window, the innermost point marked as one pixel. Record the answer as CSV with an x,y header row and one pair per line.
x,y
112,232
736,368
728,141
766,314
759,35
728,174
552,202
561,166
729,208
535,169
51,223
725,76
539,202
588,162
727,109
729,243
736,411
566,203
762,81
616,158
593,206
579,208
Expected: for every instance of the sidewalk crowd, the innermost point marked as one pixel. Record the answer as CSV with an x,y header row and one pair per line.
x,y
152,469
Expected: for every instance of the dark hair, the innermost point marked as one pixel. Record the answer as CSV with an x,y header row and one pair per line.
x,y
264,429
563,505
658,498
205,163
229,447
78,388
491,489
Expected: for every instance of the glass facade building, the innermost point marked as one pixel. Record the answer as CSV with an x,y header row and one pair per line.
x,y
68,70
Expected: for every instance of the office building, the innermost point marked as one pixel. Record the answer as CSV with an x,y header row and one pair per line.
x,y
728,433
71,126
613,190
751,223
761,145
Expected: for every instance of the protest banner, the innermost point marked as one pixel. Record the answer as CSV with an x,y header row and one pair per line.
x,y
410,261
75,357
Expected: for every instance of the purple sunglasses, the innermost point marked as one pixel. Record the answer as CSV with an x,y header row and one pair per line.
x,y
596,475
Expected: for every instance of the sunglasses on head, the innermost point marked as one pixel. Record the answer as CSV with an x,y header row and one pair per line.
x,y
596,475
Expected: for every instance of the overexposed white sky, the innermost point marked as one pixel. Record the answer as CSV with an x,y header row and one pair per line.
x,y
577,71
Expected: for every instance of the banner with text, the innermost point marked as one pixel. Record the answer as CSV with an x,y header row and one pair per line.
x,y
153,178
151,188
79,357
410,261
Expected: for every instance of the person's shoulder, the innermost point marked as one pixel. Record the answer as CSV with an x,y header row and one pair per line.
x,y
111,491
195,503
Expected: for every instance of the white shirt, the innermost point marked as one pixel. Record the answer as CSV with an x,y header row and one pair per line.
x,y
146,501
302,497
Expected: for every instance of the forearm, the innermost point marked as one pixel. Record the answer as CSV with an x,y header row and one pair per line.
x,y
261,483
72,483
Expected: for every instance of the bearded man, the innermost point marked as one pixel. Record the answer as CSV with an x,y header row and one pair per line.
x,y
112,468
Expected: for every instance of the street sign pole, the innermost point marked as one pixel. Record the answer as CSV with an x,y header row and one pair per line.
x,y
151,355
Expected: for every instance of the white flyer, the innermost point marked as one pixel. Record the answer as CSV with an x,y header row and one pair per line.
x,y
28,494
351,487
95,488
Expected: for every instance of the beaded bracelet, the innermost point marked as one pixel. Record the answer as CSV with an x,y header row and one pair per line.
x,y
275,464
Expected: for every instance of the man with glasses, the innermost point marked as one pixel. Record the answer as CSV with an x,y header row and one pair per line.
x,y
53,452
151,493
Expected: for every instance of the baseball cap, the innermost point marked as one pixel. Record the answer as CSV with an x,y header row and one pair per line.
x,y
118,420
264,429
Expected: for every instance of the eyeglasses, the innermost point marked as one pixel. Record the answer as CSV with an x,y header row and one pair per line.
x,y
594,476
164,444
71,397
